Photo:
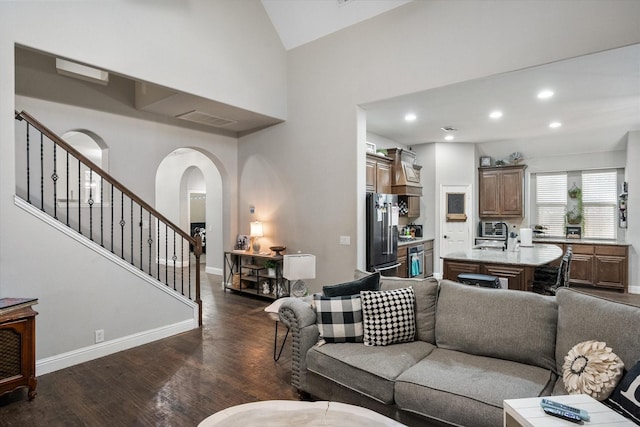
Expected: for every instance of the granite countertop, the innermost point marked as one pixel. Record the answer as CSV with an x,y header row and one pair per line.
x,y
414,241
578,241
538,254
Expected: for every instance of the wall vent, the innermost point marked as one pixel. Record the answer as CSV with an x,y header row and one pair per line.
x,y
205,119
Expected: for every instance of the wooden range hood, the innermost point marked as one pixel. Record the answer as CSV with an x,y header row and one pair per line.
x,y
405,180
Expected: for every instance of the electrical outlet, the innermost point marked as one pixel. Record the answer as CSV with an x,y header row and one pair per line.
x,y
99,335
345,240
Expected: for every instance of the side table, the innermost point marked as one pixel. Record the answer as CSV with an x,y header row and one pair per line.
x,y
18,345
528,412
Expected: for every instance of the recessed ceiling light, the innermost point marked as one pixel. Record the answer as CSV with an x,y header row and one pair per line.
x,y
495,114
545,94
555,125
448,137
410,117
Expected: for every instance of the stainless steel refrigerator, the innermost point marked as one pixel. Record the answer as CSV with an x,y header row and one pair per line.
x,y
382,233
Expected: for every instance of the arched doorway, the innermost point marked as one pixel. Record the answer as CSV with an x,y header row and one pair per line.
x,y
187,171
83,184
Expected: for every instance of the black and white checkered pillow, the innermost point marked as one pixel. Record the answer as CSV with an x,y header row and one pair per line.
x,y
388,316
339,319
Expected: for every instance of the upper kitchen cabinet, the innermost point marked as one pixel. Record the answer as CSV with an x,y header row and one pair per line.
x,y
406,174
378,174
501,191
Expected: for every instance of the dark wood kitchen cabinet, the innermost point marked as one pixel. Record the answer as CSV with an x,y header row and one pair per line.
x,y
600,266
402,260
378,174
501,191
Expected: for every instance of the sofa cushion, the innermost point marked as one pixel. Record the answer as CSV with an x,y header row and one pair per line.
x,y
583,317
625,399
591,368
339,318
511,325
367,370
388,316
465,389
426,293
370,282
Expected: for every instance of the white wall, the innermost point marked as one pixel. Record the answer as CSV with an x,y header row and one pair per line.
x,y
633,215
206,48
414,47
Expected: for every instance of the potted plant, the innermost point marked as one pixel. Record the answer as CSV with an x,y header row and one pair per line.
x,y
271,265
575,192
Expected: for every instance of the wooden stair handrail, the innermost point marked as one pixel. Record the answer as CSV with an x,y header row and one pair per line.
x,y
55,138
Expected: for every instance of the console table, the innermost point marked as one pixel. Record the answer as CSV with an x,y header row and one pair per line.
x,y
246,272
17,345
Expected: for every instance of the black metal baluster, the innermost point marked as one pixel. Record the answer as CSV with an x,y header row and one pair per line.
x,y
166,254
28,164
158,254
150,242
122,224
54,177
174,257
90,204
79,197
67,185
113,200
182,265
131,231
42,172
101,211
141,257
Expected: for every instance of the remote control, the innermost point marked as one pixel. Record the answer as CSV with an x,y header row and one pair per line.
x,y
565,415
546,403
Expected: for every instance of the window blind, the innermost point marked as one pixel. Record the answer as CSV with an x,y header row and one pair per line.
x,y
599,198
551,202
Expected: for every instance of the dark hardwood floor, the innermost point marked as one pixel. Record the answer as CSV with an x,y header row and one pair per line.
x,y
177,381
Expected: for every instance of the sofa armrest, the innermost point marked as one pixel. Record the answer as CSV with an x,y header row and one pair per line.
x,y
300,318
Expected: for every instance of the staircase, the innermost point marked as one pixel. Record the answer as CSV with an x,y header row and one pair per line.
x,y
64,184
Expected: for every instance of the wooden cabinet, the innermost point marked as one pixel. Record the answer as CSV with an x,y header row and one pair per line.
x,y
599,266
428,258
378,174
18,350
402,260
520,278
581,269
412,204
453,268
501,192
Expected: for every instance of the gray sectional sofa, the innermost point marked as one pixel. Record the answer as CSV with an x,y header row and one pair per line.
x,y
474,347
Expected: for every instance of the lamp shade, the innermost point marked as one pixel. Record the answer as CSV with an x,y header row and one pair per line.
x,y
299,267
256,229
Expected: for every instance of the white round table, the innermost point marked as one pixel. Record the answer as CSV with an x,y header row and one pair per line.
x,y
281,413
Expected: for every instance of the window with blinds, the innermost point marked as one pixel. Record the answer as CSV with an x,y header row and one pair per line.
x,y
551,202
599,198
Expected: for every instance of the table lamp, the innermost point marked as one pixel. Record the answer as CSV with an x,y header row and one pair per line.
x,y
296,268
256,233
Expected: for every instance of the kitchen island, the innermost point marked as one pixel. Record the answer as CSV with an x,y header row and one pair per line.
x,y
517,266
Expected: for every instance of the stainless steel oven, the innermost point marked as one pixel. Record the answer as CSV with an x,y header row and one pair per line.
x,y
415,264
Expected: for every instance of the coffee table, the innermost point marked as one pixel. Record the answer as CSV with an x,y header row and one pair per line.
x,y
284,413
528,413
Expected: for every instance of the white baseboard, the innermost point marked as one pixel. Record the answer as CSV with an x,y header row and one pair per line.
x,y
634,289
81,355
213,270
